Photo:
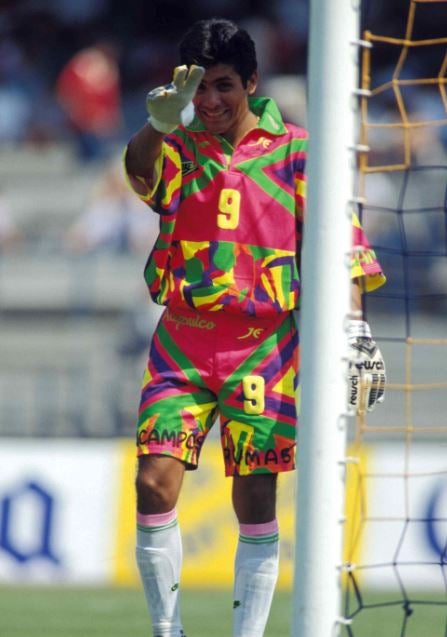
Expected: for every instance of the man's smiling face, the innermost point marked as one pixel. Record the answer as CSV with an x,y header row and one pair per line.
x,y
221,101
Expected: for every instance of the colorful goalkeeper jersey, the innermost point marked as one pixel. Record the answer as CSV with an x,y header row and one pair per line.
x,y
231,219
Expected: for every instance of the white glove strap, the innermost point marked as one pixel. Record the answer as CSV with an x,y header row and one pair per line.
x,y
358,329
186,117
187,114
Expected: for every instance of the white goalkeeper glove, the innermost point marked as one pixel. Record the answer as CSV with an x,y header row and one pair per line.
x,y
366,374
171,105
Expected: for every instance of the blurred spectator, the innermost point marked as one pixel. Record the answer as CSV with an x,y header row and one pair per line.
x,y
14,114
430,141
15,107
290,48
114,219
79,12
88,90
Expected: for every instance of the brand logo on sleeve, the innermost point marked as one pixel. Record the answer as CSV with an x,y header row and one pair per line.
x,y
188,167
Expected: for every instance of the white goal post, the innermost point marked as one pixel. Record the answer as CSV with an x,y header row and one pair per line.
x,y
332,105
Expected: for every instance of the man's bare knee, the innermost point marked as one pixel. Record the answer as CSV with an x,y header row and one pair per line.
x,y
254,498
158,483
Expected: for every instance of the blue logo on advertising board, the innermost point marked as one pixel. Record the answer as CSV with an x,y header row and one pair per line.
x,y
39,545
436,523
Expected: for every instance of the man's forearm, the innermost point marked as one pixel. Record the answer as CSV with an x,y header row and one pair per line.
x,y
142,152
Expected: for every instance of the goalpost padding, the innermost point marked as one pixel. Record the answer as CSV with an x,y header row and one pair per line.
x,y
332,81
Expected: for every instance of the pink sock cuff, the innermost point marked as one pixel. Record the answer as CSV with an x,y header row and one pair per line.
x,y
267,528
156,519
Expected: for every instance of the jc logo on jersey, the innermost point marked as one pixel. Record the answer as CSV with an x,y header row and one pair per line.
x,y
255,332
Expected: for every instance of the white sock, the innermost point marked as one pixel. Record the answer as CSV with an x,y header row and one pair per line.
x,y
159,559
256,572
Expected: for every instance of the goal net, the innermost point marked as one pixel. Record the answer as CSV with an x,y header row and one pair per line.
x,y
395,562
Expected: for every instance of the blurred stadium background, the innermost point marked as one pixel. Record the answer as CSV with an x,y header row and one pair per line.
x,y
75,318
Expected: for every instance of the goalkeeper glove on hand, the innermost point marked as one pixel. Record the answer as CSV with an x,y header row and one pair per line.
x,y
171,105
366,374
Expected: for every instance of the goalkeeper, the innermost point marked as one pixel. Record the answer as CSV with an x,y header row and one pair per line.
x,y
226,175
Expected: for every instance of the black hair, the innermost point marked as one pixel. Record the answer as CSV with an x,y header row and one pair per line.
x,y
219,41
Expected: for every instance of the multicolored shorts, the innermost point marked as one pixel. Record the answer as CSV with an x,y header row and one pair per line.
x,y
206,364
